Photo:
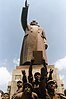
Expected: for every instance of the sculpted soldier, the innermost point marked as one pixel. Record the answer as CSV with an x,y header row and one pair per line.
x,y
51,87
27,93
34,38
18,93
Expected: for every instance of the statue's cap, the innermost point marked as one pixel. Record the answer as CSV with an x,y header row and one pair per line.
x,y
52,81
37,73
34,22
19,81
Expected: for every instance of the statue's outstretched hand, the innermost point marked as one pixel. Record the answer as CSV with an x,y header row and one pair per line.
x,y
26,5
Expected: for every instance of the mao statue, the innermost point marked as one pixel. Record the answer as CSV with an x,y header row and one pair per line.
x,y
34,39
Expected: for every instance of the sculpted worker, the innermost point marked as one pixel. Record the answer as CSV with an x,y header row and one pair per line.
x,y
34,38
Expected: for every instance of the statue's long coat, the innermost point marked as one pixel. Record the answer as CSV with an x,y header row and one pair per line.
x,y
34,39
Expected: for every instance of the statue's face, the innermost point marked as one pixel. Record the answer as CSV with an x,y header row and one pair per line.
x,y
27,89
51,86
19,84
37,77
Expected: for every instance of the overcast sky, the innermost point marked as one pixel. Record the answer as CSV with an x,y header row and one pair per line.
x,y
50,14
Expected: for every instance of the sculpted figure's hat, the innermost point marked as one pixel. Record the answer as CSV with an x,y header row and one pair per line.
x,y
34,22
19,81
51,81
37,73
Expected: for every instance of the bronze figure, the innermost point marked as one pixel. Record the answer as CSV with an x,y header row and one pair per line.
x,y
34,38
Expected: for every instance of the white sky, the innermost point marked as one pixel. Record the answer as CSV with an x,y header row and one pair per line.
x,y
50,14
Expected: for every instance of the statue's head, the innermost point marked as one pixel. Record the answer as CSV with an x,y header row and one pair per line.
x,y
37,76
19,83
27,88
6,96
34,22
1,94
51,84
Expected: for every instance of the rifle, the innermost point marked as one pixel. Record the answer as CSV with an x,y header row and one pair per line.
x,y
50,74
44,70
30,77
24,77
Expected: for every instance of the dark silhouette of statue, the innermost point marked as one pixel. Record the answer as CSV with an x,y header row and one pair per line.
x,y
34,39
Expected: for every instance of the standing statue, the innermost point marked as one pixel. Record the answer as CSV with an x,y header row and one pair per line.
x,y
34,38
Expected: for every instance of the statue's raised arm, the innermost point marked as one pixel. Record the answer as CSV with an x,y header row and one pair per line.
x,y
24,16
26,5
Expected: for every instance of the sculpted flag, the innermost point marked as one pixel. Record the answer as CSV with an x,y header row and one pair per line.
x,y
34,39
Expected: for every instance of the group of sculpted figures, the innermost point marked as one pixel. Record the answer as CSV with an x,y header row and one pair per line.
x,y
39,85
